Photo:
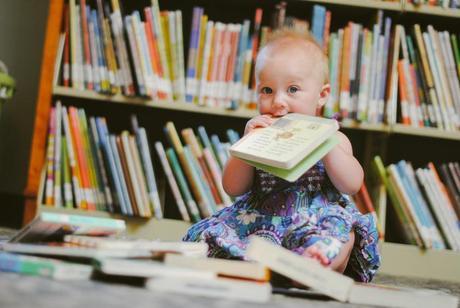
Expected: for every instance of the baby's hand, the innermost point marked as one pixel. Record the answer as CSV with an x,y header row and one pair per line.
x,y
257,122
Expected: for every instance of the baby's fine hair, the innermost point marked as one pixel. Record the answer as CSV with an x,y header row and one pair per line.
x,y
292,34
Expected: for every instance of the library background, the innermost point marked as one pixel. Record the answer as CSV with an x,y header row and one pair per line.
x,y
128,109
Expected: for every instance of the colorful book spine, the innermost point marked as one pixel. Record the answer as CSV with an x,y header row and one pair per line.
x,y
168,169
154,197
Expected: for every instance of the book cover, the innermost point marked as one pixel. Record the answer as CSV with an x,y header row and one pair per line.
x,y
234,289
337,286
52,226
149,268
222,267
286,142
304,270
45,267
168,171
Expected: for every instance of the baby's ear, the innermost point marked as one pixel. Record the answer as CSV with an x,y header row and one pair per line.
x,y
324,94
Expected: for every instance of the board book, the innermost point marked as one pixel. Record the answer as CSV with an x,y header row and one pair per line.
x,y
288,147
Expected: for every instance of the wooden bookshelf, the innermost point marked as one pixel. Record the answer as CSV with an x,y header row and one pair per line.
x,y
188,107
247,114
424,132
411,261
431,10
397,259
373,4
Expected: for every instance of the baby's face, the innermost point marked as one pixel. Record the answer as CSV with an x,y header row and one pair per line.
x,y
289,81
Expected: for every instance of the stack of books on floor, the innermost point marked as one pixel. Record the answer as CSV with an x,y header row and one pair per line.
x,y
71,247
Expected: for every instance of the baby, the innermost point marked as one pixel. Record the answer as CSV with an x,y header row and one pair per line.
x,y
312,216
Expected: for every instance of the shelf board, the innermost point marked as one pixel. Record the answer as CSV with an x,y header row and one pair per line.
x,y
118,98
247,114
374,4
424,132
411,261
147,228
431,10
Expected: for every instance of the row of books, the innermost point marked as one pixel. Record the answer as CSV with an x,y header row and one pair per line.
x,y
182,267
381,75
87,167
426,202
90,169
452,4
377,75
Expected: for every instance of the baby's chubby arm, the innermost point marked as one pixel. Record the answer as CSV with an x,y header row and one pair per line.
x,y
238,176
343,169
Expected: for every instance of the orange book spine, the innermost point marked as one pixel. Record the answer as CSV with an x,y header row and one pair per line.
x,y
153,46
326,32
403,97
81,159
345,72
363,193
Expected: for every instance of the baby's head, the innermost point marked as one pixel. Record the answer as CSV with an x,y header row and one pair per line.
x,y
291,74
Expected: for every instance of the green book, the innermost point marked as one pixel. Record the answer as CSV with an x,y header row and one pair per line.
x,y
48,226
288,147
296,172
407,227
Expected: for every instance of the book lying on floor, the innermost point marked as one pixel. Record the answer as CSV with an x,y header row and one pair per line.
x,y
72,252
148,268
184,248
288,147
235,289
222,267
45,267
337,286
53,227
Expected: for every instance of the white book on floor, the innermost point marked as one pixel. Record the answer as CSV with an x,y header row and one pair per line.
x,y
186,248
391,296
75,252
234,289
148,268
322,279
301,269
223,267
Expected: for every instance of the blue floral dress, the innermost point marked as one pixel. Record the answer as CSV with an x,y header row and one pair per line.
x,y
310,211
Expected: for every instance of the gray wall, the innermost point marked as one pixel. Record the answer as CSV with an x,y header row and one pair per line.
x,y
22,32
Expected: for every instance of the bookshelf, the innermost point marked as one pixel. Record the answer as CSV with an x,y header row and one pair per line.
x,y
391,136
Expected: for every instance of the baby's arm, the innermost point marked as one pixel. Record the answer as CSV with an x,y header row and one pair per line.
x,y
238,176
343,168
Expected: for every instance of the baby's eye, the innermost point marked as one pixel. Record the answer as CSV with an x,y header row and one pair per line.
x,y
266,90
293,89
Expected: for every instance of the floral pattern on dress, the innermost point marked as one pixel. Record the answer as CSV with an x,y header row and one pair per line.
x,y
310,211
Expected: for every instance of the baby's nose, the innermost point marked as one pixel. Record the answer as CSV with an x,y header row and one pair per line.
x,y
279,100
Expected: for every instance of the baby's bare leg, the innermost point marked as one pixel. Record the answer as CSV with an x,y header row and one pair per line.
x,y
339,263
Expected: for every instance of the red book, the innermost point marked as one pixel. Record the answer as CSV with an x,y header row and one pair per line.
x,y
86,47
66,64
